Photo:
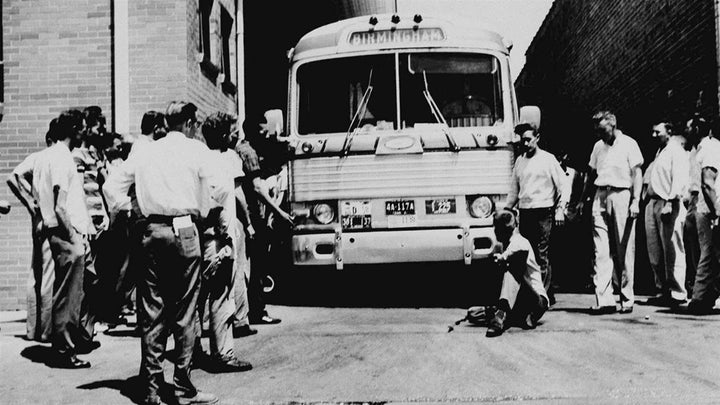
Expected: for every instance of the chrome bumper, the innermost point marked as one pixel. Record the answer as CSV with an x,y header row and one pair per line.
x,y
393,246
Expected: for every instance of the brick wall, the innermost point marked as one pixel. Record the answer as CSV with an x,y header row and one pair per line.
x,y
57,55
644,60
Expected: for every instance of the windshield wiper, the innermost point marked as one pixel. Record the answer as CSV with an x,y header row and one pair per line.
x,y
438,115
358,117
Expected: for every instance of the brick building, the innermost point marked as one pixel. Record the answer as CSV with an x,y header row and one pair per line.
x,y
644,60
127,56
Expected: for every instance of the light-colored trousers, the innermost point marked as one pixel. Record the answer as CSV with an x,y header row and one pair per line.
x,y
614,240
241,274
706,288
40,289
666,250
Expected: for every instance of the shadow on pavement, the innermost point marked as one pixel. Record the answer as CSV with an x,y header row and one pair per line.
x,y
130,388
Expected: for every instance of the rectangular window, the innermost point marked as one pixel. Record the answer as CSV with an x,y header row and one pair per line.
x,y
226,27
210,69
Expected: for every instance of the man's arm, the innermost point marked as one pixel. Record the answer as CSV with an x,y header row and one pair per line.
x,y
116,187
15,182
243,208
262,192
588,190
562,191
60,199
709,175
636,191
512,198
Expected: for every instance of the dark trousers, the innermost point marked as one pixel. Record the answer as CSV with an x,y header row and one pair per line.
x,y
536,226
259,262
68,255
169,287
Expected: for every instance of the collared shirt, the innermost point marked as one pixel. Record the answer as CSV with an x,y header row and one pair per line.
x,y
252,170
538,181
141,141
54,167
171,178
25,168
88,165
227,166
708,148
710,161
669,173
615,163
532,275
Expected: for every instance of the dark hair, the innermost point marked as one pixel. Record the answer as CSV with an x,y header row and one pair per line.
x,y
51,134
524,127
179,112
215,127
68,122
702,127
93,115
150,121
505,218
251,125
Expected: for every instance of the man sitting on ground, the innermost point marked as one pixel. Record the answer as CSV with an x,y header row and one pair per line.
x,y
523,299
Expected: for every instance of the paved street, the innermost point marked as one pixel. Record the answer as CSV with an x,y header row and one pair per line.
x,y
406,355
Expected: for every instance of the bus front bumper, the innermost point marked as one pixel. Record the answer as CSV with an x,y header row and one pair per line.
x,y
463,245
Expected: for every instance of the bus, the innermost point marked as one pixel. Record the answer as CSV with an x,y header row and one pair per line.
x,y
403,128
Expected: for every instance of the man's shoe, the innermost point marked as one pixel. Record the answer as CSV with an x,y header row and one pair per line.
x,y
199,398
70,361
675,303
604,310
625,310
264,320
87,347
151,400
243,331
497,324
660,300
695,307
229,365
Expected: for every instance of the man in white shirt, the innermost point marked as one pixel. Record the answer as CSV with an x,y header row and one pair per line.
x,y
705,287
40,287
668,182
539,188
613,185
58,190
174,184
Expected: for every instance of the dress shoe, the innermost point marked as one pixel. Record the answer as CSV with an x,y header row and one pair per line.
x,y
264,320
497,324
199,398
625,310
70,361
86,348
228,365
695,307
604,310
660,300
243,331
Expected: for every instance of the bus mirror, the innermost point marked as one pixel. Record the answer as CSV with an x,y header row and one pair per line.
x,y
274,120
530,114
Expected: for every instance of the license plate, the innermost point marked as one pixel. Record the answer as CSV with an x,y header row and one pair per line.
x,y
400,207
356,214
440,206
401,221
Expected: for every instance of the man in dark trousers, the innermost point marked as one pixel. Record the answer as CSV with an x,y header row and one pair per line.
x,y
259,201
174,185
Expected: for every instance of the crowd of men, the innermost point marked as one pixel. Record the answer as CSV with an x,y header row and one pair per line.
x,y
681,203
173,217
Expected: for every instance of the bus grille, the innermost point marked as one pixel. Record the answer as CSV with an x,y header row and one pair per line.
x,y
410,175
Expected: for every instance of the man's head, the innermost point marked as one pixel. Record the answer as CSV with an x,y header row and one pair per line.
x,y
51,134
696,129
604,124
529,137
217,129
94,123
504,225
662,132
153,123
181,116
70,127
255,127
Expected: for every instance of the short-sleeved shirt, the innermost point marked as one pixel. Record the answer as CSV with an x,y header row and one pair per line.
x,y
55,167
615,163
25,168
538,181
711,161
227,166
532,275
706,150
668,175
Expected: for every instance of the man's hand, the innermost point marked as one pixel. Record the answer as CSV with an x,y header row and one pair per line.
x,y
634,208
250,231
287,218
559,217
667,210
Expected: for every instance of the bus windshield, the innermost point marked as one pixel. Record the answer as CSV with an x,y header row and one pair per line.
x,y
466,87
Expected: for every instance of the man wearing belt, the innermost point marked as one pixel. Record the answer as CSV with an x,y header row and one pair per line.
x,y
173,187
58,190
668,182
539,188
706,165
615,180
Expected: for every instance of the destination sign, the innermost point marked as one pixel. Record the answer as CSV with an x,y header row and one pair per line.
x,y
398,36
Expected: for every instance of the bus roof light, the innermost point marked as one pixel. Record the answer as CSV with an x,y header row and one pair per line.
x,y
373,21
417,19
395,19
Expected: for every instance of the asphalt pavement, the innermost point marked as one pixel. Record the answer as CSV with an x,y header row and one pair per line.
x,y
360,354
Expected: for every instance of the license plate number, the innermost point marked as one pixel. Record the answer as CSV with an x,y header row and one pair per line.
x,y
356,214
440,206
400,207
401,221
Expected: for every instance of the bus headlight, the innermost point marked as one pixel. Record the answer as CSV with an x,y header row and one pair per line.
x,y
481,206
323,213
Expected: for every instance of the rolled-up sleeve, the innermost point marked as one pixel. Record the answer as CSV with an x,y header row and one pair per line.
x,y
116,187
